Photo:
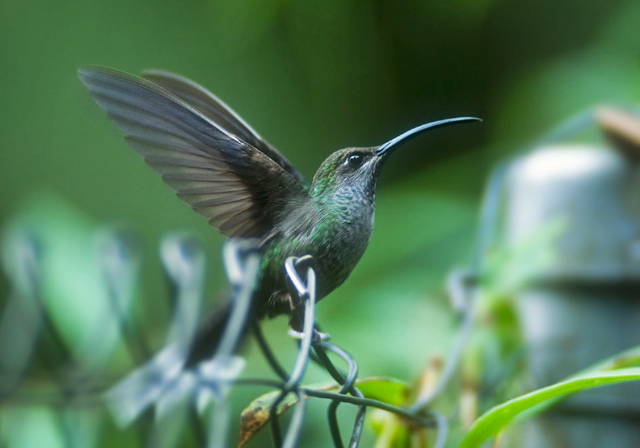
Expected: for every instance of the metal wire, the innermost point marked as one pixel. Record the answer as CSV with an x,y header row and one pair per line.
x,y
212,380
418,419
243,262
348,386
466,289
303,292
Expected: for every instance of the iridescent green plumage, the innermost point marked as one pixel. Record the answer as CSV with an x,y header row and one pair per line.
x,y
244,187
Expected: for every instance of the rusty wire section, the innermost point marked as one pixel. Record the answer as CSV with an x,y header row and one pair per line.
x,y
162,397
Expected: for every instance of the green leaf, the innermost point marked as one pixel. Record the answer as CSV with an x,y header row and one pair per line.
x,y
489,424
387,390
256,415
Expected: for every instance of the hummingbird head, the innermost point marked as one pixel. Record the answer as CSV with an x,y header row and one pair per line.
x,y
353,172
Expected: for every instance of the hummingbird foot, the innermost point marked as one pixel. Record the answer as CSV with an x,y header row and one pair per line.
x,y
317,335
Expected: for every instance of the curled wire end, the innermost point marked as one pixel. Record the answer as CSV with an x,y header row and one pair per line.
x,y
236,250
183,257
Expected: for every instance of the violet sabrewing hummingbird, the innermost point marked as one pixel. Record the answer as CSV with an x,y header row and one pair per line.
x,y
246,188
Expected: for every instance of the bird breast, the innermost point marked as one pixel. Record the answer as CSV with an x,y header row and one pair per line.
x,y
336,235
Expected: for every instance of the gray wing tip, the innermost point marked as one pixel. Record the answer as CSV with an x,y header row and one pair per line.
x,y
96,74
90,71
85,73
151,72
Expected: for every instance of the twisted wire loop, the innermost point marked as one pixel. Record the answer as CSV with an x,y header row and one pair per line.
x,y
162,383
303,293
212,380
242,260
347,386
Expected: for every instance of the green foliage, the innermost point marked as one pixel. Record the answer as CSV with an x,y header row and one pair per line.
x,y
311,77
257,414
73,289
497,418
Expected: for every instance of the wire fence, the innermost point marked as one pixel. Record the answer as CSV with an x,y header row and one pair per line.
x,y
39,368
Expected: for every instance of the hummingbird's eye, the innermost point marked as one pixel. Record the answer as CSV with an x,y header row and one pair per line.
x,y
355,160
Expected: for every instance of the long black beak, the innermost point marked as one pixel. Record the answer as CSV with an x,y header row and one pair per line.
x,y
388,147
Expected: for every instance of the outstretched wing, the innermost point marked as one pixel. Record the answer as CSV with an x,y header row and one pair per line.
x,y
217,111
238,182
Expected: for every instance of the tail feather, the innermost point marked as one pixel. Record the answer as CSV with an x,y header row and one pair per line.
x,y
207,339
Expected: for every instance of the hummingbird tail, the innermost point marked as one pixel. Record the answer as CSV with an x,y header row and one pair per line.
x,y
210,333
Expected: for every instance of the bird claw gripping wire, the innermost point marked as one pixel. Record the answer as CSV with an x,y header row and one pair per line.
x,y
300,291
303,291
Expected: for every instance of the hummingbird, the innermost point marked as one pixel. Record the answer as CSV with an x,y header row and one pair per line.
x,y
245,187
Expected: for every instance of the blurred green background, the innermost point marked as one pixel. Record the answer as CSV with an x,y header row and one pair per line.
x,y
311,77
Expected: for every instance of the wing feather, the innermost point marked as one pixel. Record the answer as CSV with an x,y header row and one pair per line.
x,y
213,160
218,112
